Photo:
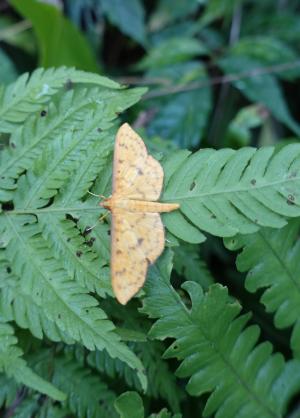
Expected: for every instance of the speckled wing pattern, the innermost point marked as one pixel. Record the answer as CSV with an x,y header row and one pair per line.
x,y
137,240
137,235
136,175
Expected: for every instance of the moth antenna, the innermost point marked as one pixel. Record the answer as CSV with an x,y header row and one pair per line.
x,y
97,195
90,228
99,220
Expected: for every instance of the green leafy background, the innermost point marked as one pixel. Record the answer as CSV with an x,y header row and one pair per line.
x,y
212,87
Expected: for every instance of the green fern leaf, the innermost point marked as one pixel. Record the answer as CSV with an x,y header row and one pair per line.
x,y
161,381
227,192
12,363
8,390
64,302
271,259
188,262
27,408
54,168
219,355
21,307
82,113
29,93
48,410
88,397
78,258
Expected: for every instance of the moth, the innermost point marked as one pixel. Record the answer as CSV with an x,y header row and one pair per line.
x,y
137,232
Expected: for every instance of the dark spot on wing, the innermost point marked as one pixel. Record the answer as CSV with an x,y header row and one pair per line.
x,y
43,113
79,253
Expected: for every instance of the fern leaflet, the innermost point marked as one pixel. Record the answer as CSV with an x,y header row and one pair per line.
x,y
12,363
219,355
271,259
227,192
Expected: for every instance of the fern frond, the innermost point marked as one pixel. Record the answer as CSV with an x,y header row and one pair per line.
x,y
17,305
48,410
12,363
93,165
55,167
188,262
161,381
227,192
91,109
219,355
8,390
78,258
29,93
88,397
64,302
271,259
27,408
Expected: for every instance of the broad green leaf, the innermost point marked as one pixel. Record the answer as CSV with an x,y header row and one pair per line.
x,y
270,51
8,72
216,9
172,51
63,46
128,16
239,130
130,405
183,116
259,88
168,11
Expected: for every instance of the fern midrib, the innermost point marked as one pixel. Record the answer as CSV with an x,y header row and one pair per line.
x,y
40,138
224,359
51,209
85,168
280,261
78,318
70,155
228,191
77,260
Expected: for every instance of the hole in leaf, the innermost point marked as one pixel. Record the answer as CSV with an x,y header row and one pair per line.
x,y
69,85
192,186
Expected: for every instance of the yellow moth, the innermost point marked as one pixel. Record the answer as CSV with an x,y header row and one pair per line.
x,y
137,233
